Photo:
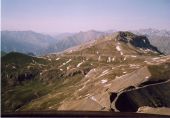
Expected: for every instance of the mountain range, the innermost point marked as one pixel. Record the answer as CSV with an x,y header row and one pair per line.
x,y
117,72
25,41
41,44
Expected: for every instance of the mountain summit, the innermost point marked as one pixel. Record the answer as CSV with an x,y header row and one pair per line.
x,y
117,44
136,40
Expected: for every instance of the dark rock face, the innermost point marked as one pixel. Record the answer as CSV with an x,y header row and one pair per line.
x,y
112,97
126,104
143,42
135,40
140,41
122,36
26,76
154,96
19,78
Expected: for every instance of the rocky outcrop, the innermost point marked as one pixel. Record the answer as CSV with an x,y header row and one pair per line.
x,y
135,40
156,95
130,80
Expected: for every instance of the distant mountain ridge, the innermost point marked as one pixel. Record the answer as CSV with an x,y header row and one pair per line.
x,y
77,39
151,31
40,44
25,41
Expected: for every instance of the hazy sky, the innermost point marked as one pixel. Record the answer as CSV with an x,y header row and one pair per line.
x,y
76,15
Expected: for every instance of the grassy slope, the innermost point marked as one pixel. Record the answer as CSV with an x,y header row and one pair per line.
x,y
15,95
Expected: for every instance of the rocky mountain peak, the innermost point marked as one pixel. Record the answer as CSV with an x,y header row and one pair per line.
x,y
140,41
129,37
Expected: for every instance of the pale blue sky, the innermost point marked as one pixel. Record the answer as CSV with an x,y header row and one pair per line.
x,y
76,15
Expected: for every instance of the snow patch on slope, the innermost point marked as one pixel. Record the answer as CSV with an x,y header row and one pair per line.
x,y
118,48
103,81
104,73
57,59
79,64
